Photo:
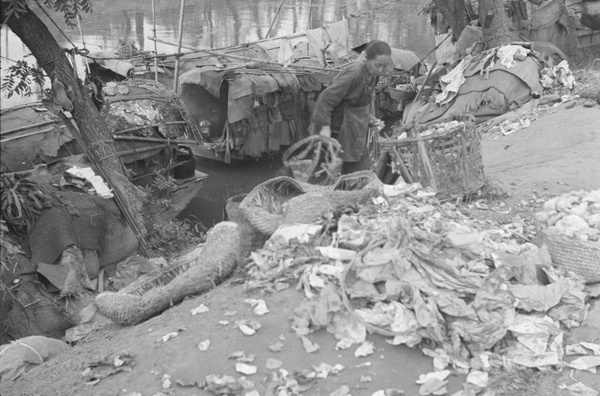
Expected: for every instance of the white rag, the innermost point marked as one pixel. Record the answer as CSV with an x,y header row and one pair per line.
x,y
507,54
564,75
452,82
88,174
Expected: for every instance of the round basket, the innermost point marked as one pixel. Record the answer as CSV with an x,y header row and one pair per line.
x,y
263,206
573,254
314,156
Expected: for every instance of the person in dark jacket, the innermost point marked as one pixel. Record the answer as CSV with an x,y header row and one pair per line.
x,y
343,110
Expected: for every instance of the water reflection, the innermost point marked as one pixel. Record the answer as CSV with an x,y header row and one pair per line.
x,y
213,24
229,22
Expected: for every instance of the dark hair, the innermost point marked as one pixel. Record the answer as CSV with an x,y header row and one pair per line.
x,y
377,47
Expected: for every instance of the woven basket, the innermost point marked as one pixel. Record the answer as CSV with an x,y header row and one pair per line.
x,y
573,254
314,156
309,207
353,181
284,200
361,180
263,206
450,162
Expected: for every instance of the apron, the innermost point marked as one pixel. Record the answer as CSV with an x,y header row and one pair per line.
x,y
350,119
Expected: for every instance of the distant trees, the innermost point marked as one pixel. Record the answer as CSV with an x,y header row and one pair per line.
x,y
493,18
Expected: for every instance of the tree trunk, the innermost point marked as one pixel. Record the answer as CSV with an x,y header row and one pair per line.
x,y
495,23
455,13
94,131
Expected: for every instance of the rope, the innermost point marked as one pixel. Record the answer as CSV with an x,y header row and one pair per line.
x,y
17,342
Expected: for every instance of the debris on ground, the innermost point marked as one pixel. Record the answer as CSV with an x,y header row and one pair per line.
x,y
200,309
107,366
421,273
204,345
574,214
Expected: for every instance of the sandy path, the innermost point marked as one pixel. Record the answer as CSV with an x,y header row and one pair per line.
x,y
559,152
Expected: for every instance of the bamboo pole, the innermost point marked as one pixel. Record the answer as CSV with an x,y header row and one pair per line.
x,y
239,57
176,79
41,131
424,83
308,23
138,151
274,18
87,65
155,49
155,140
39,124
137,128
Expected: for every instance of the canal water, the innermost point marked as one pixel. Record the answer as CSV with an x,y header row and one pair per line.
x,y
220,23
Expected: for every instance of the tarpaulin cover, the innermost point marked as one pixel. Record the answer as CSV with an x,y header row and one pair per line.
x,y
87,221
210,78
404,59
485,95
252,84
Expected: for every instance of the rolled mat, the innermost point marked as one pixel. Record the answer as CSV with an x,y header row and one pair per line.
x,y
212,265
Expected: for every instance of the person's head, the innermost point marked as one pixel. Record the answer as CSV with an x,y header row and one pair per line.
x,y
378,57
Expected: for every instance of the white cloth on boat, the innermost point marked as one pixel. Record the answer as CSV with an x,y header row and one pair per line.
x,y
331,40
88,174
508,53
452,82
286,52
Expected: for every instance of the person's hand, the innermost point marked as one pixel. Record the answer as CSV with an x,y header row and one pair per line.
x,y
325,131
376,123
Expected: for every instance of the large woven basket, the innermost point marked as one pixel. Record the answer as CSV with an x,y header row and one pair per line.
x,y
449,162
263,206
283,200
573,254
309,207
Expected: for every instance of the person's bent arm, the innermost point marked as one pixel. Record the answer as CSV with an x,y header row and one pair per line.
x,y
331,97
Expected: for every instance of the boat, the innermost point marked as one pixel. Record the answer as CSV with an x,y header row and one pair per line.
x,y
255,100
151,128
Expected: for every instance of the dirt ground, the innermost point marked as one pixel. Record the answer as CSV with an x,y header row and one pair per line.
x,y
557,153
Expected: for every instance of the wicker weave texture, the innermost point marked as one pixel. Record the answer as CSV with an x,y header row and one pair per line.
x,y
581,257
210,266
451,162
283,200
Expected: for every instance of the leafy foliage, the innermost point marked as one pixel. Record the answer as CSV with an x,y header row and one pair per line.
x,y
70,9
21,201
14,8
19,77
168,238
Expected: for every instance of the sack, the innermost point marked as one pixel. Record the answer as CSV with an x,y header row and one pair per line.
x,y
18,356
590,14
